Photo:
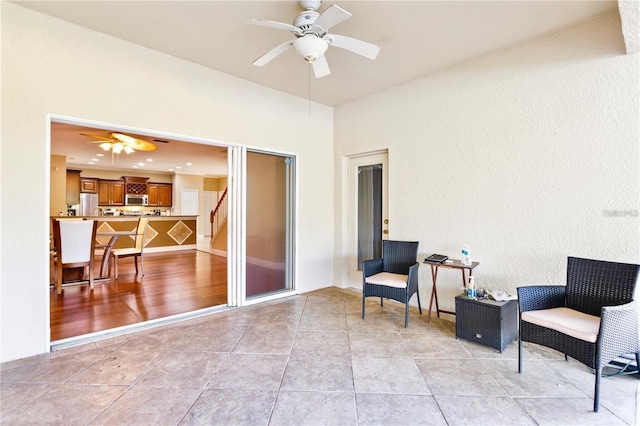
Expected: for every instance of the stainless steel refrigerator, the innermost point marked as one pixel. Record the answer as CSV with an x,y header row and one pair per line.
x,y
88,204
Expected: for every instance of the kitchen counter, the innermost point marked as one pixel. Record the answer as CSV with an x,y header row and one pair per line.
x,y
163,233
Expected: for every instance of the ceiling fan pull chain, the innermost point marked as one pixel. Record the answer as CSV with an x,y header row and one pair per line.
x,y
309,74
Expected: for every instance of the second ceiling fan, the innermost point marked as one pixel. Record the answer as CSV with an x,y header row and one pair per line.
x,y
119,142
312,38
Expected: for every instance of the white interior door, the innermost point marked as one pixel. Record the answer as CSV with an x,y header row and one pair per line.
x,y
368,212
189,205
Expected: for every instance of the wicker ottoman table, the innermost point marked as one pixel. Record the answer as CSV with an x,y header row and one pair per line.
x,y
487,322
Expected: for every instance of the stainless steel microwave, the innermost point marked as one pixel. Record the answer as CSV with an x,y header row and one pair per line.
x,y
136,200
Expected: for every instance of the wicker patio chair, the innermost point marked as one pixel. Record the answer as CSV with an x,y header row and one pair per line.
x,y
592,319
395,276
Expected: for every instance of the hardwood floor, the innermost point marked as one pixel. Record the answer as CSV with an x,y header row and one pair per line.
x,y
174,283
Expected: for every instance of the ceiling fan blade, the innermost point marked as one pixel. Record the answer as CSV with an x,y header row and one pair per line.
x,y
135,143
368,50
330,17
320,67
102,138
274,24
267,57
140,145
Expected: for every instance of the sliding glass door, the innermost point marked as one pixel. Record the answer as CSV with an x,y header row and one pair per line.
x,y
270,212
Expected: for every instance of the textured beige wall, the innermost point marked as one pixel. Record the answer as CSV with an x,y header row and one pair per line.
x,y
522,153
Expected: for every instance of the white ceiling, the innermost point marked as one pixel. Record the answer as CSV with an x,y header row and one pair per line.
x,y
416,38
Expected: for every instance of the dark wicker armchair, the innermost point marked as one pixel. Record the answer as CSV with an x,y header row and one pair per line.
x,y
395,276
592,319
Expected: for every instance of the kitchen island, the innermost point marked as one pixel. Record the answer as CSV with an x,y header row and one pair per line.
x,y
163,233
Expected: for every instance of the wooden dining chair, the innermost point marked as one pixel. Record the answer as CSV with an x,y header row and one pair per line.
x,y
135,251
74,246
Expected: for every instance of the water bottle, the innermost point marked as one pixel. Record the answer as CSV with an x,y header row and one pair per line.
x,y
471,288
466,255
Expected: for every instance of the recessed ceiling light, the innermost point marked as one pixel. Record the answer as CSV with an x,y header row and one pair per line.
x,y
99,155
170,170
135,167
150,160
140,164
178,167
189,164
91,162
94,159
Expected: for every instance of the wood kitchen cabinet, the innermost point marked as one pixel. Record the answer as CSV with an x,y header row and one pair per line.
x,y
160,194
165,195
135,184
110,192
73,187
89,185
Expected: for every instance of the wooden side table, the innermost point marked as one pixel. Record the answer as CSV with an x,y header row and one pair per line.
x,y
488,322
435,266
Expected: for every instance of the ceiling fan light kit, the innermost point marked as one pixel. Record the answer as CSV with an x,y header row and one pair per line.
x,y
116,147
310,47
312,40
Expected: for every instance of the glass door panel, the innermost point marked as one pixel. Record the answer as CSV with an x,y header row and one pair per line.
x,y
269,219
369,213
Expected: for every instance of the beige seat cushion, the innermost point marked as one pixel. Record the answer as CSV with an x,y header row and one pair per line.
x,y
388,279
568,321
125,251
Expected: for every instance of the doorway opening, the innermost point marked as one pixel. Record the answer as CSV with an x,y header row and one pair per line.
x,y
179,279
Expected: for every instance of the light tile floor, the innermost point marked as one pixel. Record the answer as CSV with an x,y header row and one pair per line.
x,y
307,360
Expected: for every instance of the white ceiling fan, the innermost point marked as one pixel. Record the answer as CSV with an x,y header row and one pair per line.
x,y
312,38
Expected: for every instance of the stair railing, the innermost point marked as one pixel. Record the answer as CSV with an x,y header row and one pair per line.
x,y
218,216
